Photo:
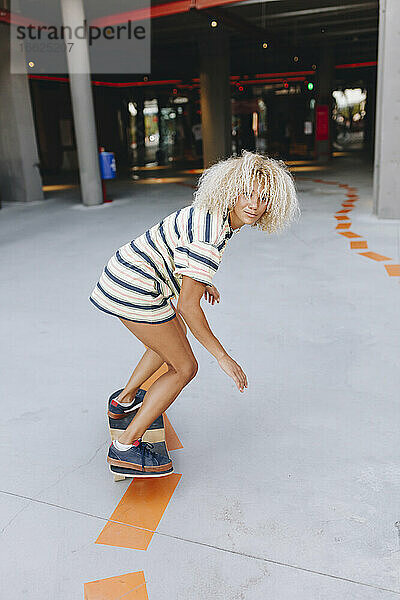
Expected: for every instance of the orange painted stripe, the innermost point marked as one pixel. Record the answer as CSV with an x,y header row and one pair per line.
x,y
173,442
374,256
131,586
142,506
354,245
343,225
171,438
393,270
322,181
341,218
349,234
345,210
163,369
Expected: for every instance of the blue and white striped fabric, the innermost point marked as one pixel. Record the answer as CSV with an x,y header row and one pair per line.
x,y
144,274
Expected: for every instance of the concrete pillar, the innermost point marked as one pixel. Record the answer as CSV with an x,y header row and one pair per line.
x,y
324,88
20,179
387,132
82,107
215,96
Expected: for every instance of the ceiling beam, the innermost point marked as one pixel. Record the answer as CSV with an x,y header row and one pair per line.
x,y
311,11
232,21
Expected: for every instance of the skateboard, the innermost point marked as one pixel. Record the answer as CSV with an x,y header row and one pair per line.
x,y
154,434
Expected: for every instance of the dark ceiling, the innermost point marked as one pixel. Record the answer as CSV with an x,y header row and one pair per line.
x,y
290,27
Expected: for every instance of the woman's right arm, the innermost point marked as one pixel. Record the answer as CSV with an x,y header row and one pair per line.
x,y
189,308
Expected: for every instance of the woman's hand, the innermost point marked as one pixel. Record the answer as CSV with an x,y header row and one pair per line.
x,y
234,370
211,294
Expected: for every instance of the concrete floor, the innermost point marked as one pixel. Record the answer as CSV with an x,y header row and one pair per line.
x,y
289,490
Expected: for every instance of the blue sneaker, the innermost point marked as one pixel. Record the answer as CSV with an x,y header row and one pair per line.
x,y
140,460
119,411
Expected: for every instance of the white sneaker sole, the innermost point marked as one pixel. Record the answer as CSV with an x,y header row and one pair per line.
x,y
141,476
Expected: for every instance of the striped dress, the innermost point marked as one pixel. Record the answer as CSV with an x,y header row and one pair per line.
x,y
142,276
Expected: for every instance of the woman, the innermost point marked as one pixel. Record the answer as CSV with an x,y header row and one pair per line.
x,y
178,258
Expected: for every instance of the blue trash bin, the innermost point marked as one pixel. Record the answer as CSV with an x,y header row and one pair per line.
x,y
108,169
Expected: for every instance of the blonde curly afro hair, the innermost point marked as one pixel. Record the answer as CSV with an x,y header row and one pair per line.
x,y
220,185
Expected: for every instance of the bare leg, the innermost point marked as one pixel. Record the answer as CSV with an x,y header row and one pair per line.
x,y
148,364
169,341
146,367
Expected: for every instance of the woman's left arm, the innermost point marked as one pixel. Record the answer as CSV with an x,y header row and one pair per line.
x,y
189,308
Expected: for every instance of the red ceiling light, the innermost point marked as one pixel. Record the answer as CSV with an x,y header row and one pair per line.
x,y
371,63
160,10
136,83
286,74
15,19
48,78
124,84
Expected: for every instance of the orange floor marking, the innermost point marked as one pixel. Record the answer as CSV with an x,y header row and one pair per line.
x,y
349,234
142,506
343,225
171,438
163,369
393,270
354,245
348,205
374,256
131,586
144,502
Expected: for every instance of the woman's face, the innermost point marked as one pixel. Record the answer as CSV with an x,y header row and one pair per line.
x,y
248,209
